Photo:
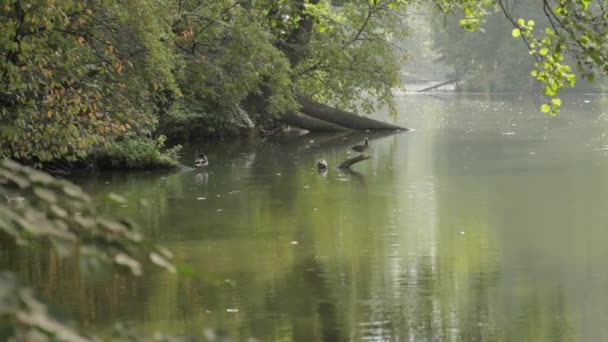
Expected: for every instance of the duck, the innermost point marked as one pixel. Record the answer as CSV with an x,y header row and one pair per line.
x,y
322,164
361,148
201,161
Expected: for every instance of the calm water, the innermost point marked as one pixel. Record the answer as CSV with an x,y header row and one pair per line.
x,y
488,222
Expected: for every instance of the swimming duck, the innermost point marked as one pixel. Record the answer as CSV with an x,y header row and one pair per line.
x,y
322,164
361,148
201,161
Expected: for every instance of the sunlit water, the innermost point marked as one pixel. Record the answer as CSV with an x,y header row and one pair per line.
x,y
488,222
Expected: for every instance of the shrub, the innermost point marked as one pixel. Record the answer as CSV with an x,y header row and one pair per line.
x,y
137,152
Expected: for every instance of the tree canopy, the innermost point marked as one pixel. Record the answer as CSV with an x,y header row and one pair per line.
x,y
77,76
575,28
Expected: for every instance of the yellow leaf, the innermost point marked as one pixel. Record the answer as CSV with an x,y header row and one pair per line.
x,y
545,108
516,32
556,101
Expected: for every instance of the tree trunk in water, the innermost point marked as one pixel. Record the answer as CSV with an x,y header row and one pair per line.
x,y
309,123
342,118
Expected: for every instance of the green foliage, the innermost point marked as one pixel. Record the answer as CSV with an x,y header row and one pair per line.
x,y
578,28
74,75
262,55
61,213
139,152
25,318
484,60
229,55
548,68
187,123
473,12
352,59
39,208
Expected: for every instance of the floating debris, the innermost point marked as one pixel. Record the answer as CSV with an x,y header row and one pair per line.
x,y
201,198
294,242
232,310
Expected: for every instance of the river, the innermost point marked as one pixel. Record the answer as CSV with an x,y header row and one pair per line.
x,y
487,222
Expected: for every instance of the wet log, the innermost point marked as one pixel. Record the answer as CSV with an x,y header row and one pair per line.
x,y
343,118
309,123
350,161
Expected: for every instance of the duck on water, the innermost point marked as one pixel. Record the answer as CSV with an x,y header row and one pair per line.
x,y
201,161
322,164
361,148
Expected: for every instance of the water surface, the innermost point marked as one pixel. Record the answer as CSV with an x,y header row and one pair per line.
x,y
488,222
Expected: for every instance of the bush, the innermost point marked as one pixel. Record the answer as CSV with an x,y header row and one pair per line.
x,y
195,123
137,152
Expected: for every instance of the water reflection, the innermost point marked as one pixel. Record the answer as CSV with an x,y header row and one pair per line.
x,y
201,177
452,232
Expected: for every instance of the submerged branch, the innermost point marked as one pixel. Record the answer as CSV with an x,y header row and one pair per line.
x,y
350,161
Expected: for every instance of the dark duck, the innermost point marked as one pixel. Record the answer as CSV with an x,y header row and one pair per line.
x,y
361,148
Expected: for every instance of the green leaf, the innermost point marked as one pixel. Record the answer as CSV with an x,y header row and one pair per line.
x,y
543,51
516,32
571,78
45,194
130,263
545,108
556,101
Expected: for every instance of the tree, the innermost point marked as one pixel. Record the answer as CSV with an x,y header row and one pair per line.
x,y
352,58
578,28
75,75
484,60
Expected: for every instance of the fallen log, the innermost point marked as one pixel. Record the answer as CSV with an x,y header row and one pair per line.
x,y
309,123
438,85
350,161
343,118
